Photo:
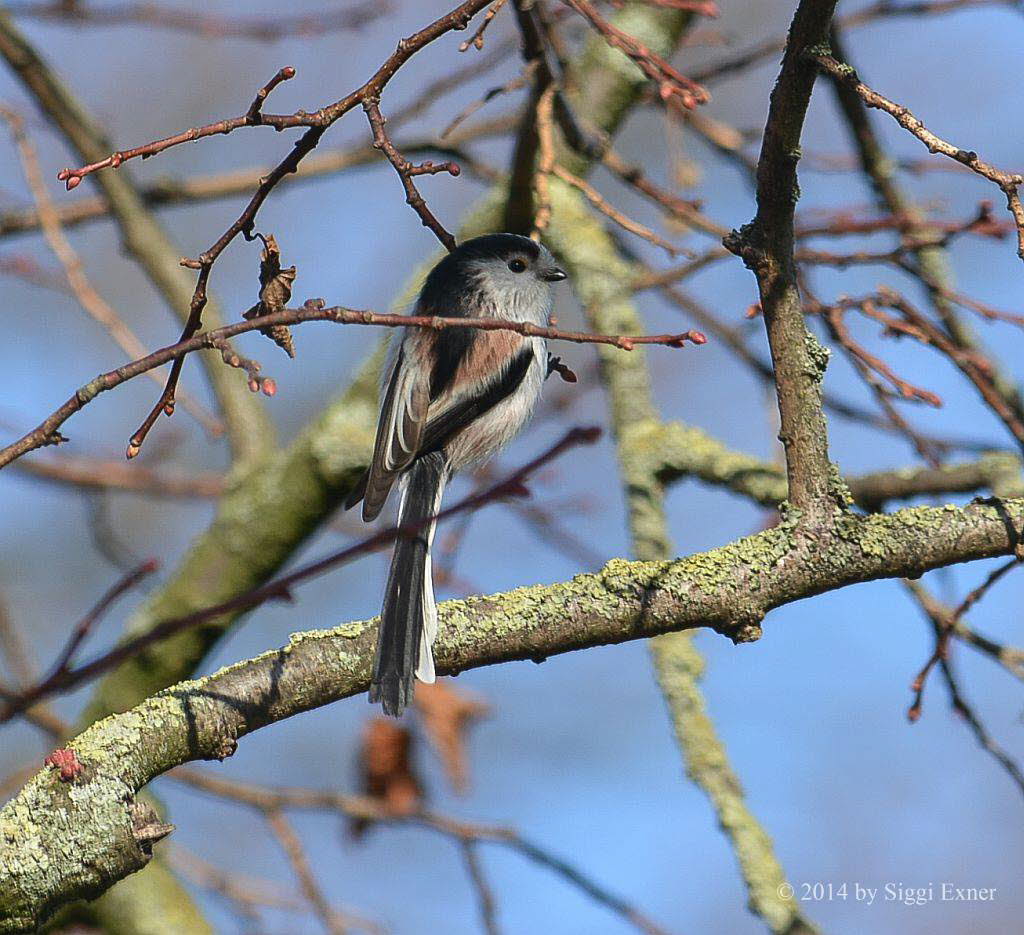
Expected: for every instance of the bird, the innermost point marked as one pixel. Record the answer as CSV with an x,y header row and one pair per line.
x,y
450,399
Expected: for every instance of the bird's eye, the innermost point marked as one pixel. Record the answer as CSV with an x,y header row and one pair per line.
x,y
517,265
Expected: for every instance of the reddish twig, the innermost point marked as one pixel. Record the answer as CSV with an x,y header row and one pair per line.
x,y
265,798
253,117
75,281
946,623
84,626
280,588
699,7
837,325
46,433
406,171
513,84
940,618
981,734
316,123
981,308
843,223
101,475
673,86
681,209
982,589
1008,182
970,363
598,201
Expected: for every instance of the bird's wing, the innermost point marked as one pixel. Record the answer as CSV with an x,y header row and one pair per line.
x,y
443,424
402,419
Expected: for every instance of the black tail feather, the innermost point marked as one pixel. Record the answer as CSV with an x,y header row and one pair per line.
x,y
401,619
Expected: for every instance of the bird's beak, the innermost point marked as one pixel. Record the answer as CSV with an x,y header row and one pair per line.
x,y
553,274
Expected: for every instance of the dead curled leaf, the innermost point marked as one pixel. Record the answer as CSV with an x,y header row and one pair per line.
x,y
447,714
387,773
275,293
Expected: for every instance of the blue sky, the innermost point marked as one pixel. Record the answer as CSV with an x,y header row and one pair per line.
x,y
578,754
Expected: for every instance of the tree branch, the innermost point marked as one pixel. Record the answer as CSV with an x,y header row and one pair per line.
x,y
250,431
1008,182
88,837
766,247
597,268
46,432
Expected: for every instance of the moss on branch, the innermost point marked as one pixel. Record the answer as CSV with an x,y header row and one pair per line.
x,y
60,842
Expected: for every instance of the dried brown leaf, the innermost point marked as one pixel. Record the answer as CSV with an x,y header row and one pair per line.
x,y
447,714
275,293
387,773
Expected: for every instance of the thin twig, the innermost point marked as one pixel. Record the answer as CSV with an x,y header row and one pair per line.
x,y
1008,182
484,893
598,201
673,86
86,624
316,125
74,270
47,431
406,171
63,679
291,844
265,798
206,25
477,39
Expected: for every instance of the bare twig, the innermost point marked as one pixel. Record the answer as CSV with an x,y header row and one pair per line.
x,y
477,39
674,88
84,627
47,431
253,117
406,171
513,84
1008,182
941,621
598,201
265,798
687,212
213,186
834,315
291,844
316,125
484,893
206,25
972,364
74,270
63,678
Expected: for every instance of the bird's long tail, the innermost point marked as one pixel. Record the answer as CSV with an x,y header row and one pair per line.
x,y
408,620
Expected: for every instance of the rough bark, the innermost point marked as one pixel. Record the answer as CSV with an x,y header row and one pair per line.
x,y
64,841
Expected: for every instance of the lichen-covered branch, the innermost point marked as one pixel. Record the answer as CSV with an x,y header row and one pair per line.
x,y
766,247
597,270
673,451
60,841
269,513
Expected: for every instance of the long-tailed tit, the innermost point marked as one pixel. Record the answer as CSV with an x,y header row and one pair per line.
x,y
451,398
